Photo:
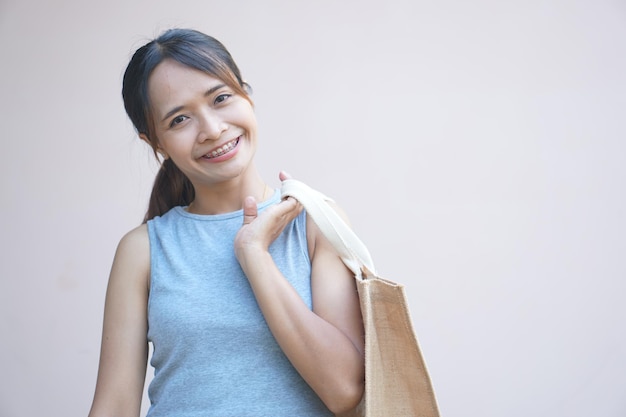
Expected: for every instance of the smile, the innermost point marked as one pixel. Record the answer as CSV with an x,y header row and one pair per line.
x,y
224,149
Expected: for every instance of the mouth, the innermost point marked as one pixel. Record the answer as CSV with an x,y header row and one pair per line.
x,y
222,150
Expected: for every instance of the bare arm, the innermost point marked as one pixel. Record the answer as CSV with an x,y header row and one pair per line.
x,y
325,345
124,350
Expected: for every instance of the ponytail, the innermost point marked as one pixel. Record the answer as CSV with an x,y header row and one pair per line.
x,y
171,188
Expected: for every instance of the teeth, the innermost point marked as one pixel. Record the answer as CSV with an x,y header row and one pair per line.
x,y
224,148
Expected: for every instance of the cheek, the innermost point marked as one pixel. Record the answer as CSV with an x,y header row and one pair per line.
x,y
251,124
244,113
177,140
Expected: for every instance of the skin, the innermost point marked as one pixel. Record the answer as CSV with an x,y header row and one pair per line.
x,y
196,114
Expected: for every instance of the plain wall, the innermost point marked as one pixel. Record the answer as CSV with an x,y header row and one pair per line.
x,y
478,148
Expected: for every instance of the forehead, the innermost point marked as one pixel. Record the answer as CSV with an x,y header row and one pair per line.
x,y
172,83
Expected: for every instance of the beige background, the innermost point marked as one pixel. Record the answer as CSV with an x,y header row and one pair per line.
x,y
477,146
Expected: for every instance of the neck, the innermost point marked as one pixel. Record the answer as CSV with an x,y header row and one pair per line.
x,y
228,196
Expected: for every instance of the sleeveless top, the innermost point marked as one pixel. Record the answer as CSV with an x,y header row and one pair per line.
x,y
213,353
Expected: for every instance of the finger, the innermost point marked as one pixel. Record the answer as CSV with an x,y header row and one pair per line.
x,y
249,210
290,207
282,175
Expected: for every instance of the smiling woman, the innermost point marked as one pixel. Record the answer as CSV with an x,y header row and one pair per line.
x,y
206,128
192,53
222,275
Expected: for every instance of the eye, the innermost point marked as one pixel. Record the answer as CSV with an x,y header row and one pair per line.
x,y
177,120
221,98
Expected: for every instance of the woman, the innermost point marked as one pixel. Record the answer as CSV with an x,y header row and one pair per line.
x,y
249,310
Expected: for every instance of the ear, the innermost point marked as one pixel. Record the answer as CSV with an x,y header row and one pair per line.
x,y
247,87
160,151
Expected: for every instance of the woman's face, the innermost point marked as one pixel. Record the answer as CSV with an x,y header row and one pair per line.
x,y
208,130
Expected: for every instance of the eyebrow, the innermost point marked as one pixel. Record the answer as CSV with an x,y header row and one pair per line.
x,y
179,108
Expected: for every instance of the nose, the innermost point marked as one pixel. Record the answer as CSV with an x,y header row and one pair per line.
x,y
211,126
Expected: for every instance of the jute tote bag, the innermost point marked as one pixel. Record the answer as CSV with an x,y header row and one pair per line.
x,y
397,383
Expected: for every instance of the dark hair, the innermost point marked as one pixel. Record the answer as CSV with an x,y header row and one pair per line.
x,y
195,50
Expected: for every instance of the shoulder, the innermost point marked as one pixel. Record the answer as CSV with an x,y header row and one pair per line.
x,y
132,258
315,238
135,240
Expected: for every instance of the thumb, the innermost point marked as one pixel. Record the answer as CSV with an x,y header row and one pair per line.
x,y
282,175
249,210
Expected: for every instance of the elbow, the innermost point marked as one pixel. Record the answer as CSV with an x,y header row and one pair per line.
x,y
345,398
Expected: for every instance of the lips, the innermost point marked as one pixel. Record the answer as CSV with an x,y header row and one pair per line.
x,y
222,150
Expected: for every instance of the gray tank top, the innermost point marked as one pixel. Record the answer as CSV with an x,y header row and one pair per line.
x,y
214,354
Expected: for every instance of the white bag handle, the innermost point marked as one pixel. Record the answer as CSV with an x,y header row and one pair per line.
x,y
348,246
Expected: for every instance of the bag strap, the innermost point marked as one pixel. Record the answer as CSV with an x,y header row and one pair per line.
x,y
348,246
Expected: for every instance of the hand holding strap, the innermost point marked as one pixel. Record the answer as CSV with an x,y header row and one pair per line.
x,y
348,246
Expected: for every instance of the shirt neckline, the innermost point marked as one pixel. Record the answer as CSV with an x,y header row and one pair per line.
x,y
182,210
